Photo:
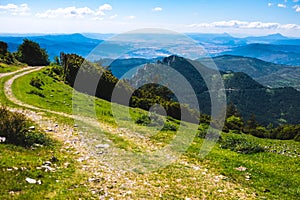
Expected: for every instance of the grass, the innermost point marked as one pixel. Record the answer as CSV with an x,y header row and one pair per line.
x,y
18,163
272,174
8,68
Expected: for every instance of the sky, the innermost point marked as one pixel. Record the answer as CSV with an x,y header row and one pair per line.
x,y
236,17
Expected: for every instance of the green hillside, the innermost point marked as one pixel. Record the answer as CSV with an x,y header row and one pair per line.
x,y
217,176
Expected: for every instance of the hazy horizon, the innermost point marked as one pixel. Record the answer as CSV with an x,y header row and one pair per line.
x,y
238,18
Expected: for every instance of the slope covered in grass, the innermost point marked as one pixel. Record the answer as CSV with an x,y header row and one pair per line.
x,y
273,174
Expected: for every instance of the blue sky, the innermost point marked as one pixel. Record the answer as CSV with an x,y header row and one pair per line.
x,y
237,17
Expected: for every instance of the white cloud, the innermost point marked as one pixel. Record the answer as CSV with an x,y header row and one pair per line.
x,y
105,7
297,8
280,5
157,9
270,4
70,12
14,9
113,16
245,25
130,17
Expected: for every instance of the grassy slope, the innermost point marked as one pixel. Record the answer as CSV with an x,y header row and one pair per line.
x,y
65,183
56,185
8,68
272,175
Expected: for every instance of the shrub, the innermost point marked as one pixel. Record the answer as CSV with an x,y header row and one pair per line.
x,y
36,82
297,138
35,92
55,72
169,127
15,128
143,120
233,123
240,144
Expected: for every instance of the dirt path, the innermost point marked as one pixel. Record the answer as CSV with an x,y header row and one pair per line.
x,y
14,72
104,180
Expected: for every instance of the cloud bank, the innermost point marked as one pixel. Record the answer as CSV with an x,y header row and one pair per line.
x,y
14,9
245,25
73,11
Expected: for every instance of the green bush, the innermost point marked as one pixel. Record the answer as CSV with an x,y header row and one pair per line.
x,y
240,144
143,120
169,127
35,92
36,82
55,71
15,128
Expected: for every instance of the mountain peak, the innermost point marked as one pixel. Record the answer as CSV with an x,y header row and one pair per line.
x,y
276,36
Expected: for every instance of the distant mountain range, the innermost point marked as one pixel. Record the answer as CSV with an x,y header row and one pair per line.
x,y
280,54
54,44
272,48
266,73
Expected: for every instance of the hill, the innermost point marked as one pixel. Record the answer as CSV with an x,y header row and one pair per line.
x,y
280,54
269,105
266,73
56,43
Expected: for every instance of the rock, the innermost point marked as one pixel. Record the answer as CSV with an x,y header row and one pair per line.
x,y
33,181
48,168
54,159
241,168
23,168
37,145
102,146
47,163
2,139
49,129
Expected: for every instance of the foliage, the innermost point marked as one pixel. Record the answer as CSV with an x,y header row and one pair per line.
x,y
36,92
168,126
36,82
5,56
286,132
15,128
143,120
3,48
240,144
31,53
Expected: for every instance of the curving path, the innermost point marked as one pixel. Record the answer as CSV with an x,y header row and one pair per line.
x,y
14,72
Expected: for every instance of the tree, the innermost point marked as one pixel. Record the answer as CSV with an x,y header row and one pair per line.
x,y
31,53
3,48
5,55
232,111
251,124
